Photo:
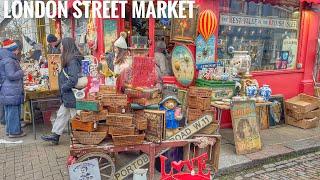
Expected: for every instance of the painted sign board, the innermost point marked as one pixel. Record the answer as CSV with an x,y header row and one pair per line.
x,y
205,51
85,170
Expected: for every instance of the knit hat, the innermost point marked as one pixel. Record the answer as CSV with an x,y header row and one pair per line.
x,y
121,41
10,45
51,38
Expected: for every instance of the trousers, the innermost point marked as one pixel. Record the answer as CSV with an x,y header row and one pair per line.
x,y
12,118
63,116
2,121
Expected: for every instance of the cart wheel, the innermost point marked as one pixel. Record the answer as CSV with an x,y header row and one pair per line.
x,y
106,165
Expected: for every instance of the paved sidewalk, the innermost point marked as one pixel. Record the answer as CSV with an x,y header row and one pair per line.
x,y
302,167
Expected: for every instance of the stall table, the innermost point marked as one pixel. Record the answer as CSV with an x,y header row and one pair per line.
x,y
39,97
220,108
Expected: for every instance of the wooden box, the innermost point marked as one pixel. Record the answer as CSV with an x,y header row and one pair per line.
x,y
121,109
128,140
199,92
86,116
304,124
146,102
302,103
83,126
88,105
121,130
144,93
140,121
114,100
199,103
299,116
210,129
104,89
119,119
99,116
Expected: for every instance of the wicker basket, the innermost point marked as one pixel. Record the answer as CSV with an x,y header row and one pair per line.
x,y
140,122
128,140
86,116
119,119
103,128
121,130
199,103
199,92
89,138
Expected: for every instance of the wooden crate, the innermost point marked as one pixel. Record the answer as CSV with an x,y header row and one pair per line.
x,y
89,138
128,140
83,126
146,102
88,105
199,103
121,110
140,121
121,130
114,100
300,116
86,116
119,119
304,124
101,115
199,92
302,103
144,93
104,89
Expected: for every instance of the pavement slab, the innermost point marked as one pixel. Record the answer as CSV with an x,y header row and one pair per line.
x,y
269,151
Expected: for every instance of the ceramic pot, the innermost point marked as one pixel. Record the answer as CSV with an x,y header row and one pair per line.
x,y
265,92
241,61
251,91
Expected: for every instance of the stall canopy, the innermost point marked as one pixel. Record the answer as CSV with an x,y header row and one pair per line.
x,y
294,3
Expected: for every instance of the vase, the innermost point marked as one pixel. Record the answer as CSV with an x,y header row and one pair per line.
x,y
241,61
251,91
265,92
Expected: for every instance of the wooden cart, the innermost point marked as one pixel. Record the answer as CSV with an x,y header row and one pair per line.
x,y
152,151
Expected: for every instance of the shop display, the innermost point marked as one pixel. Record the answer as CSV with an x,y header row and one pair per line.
x,y
183,65
245,128
185,30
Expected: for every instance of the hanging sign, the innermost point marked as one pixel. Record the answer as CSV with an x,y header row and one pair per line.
x,y
245,127
183,134
205,52
183,65
259,22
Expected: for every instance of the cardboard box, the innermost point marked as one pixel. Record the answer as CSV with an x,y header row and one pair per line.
x,y
304,124
303,103
300,116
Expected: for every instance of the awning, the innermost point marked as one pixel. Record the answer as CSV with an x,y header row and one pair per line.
x,y
311,1
293,3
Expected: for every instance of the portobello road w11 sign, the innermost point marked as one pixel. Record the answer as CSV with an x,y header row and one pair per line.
x,y
183,134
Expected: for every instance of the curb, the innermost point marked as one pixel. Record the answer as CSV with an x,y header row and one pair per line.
x,y
261,162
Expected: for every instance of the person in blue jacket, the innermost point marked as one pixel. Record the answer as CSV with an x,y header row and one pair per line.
x,y
71,60
12,91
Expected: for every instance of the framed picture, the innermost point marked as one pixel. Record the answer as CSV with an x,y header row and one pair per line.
x,y
245,127
185,29
183,65
277,114
110,32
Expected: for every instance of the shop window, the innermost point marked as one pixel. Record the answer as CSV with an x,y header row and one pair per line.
x,y
269,33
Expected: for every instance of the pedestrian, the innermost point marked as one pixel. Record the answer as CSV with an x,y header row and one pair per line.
x,y
71,59
12,92
54,44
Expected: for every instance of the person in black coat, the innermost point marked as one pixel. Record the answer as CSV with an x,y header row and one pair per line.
x,y
71,59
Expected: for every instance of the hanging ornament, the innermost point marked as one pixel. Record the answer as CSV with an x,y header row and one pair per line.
x,y
207,23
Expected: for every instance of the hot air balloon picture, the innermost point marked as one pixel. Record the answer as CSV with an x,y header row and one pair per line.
x,y
183,65
185,29
205,42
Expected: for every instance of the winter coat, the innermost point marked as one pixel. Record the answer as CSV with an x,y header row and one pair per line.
x,y
12,92
54,49
73,70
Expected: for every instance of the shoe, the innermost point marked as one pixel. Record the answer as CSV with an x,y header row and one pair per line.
x,y
54,138
17,135
23,124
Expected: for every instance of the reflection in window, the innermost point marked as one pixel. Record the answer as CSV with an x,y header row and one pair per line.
x,y
269,33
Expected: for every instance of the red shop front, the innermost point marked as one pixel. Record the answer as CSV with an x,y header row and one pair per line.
x,y
294,28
